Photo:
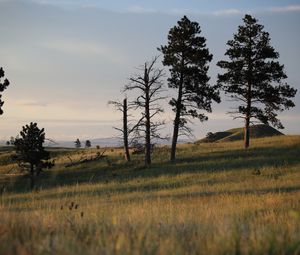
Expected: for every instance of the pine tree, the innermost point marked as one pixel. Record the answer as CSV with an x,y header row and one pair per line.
x,y
187,56
30,152
254,78
77,143
3,86
88,144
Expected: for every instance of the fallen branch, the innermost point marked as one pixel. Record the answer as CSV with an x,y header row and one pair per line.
x,y
97,157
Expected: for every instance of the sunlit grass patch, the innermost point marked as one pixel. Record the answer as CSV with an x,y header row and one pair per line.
x,y
217,199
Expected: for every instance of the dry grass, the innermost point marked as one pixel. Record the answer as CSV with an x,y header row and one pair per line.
x,y
217,199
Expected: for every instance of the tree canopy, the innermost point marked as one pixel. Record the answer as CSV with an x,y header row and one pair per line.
x,y
30,152
187,57
3,86
77,143
254,78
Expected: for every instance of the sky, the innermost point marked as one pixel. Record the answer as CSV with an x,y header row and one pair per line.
x,y
66,59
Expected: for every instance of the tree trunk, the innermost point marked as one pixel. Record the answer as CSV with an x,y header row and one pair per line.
x,y
175,136
248,97
31,177
248,116
125,131
147,119
177,120
247,133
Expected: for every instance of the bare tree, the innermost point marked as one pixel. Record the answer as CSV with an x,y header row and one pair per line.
x,y
127,129
149,85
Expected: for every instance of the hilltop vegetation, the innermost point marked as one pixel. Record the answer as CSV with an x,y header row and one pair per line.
x,y
217,199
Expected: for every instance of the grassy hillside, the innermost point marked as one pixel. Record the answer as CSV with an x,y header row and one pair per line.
x,y
235,134
217,199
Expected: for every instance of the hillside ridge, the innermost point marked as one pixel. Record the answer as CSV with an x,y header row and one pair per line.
x,y
234,134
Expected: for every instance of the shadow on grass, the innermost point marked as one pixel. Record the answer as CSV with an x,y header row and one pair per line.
x,y
150,196
233,160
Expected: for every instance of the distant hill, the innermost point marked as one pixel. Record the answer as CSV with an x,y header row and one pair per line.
x,y
102,142
256,131
107,142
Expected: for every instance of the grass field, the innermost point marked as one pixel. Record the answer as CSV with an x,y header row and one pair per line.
x,y
217,199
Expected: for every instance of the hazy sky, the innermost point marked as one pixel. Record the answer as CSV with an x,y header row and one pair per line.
x,y
66,58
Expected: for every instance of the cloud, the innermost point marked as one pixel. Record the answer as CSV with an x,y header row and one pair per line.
x,y
285,9
225,12
65,3
84,49
290,117
79,121
139,9
228,12
231,12
182,11
33,103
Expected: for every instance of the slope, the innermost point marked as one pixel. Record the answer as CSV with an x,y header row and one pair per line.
x,y
256,131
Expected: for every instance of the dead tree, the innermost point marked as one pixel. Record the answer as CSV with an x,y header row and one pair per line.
x,y
149,85
126,130
83,160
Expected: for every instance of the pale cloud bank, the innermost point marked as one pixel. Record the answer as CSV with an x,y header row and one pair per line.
x,y
140,9
84,49
223,12
32,103
228,12
285,9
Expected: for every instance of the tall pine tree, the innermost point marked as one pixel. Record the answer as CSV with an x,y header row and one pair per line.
x,y
187,56
254,78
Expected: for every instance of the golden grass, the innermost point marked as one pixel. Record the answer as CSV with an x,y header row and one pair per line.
x,y
213,201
